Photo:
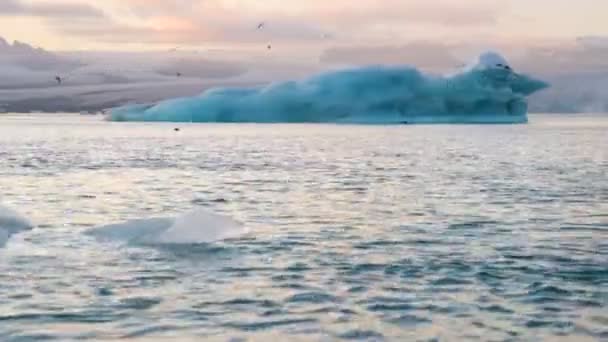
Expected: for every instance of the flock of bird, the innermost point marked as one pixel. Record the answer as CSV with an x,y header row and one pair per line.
x,y
260,26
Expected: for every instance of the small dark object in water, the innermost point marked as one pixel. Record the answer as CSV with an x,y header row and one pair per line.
x,y
405,122
176,129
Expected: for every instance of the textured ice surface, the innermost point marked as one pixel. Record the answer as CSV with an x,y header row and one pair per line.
x,y
194,227
11,223
486,91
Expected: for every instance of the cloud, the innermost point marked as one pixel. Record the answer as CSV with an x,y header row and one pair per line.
x,y
234,21
548,59
421,54
25,56
10,7
55,10
567,58
593,41
173,30
203,68
25,66
436,13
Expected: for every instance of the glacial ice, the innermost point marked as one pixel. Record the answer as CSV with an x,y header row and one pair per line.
x,y
11,223
194,227
486,91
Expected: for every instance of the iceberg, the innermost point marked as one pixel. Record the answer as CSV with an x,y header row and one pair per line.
x,y
195,227
11,223
486,91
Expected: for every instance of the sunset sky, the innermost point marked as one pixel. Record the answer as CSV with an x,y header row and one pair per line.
x,y
154,24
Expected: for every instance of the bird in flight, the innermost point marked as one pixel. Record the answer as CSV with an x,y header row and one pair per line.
x,y
58,79
261,25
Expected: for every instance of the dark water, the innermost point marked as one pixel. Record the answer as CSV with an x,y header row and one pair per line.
x,y
356,233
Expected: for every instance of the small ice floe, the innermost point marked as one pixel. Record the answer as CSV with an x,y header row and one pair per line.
x,y
195,227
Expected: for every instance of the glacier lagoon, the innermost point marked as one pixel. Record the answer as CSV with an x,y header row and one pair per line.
x,y
353,232
486,91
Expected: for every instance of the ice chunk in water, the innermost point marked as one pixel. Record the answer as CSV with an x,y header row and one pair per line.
x,y
195,227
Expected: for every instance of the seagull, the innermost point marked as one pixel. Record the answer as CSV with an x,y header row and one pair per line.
x,y
261,25
58,79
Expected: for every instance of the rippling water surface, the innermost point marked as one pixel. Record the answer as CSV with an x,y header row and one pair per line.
x,y
355,232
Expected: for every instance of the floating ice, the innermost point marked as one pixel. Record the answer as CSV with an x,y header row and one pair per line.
x,y
11,223
195,227
487,91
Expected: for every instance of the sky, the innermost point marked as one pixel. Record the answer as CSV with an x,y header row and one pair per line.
x,y
94,42
127,25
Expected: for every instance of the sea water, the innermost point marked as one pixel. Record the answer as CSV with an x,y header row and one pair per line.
x,y
338,232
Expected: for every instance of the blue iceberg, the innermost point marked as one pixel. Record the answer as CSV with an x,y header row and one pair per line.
x,y
486,91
